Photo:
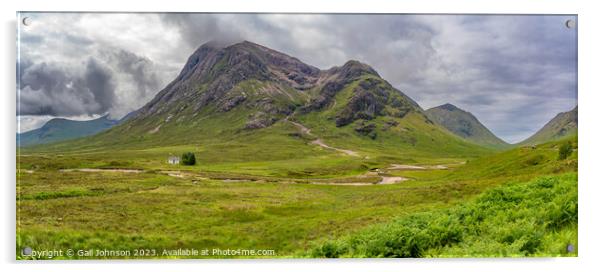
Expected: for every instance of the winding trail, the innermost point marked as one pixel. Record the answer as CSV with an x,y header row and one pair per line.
x,y
417,167
319,141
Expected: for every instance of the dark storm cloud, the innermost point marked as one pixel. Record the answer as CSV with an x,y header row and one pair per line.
x,y
111,78
48,89
140,70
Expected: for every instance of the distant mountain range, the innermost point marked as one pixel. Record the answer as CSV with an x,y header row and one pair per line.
x,y
465,125
60,129
563,125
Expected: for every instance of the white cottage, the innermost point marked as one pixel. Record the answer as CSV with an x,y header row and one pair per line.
x,y
173,160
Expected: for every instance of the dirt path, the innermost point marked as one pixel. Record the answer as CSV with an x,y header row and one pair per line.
x,y
346,151
177,174
392,180
344,183
103,170
405,167
383,181
181,174
301,127
417,167
320,142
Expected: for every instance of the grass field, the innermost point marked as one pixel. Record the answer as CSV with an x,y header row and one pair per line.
x,y
538,218
269,202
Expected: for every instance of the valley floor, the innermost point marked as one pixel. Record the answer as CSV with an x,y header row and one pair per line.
x,y
83,202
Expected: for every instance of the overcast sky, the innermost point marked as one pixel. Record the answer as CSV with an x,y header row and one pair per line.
x,y
514,73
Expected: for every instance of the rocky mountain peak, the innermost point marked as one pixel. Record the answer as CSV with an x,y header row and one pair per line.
x,y
271,85
448,107
352,70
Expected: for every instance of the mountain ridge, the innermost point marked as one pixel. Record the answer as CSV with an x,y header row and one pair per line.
x,y
246,92
564,124
60,129
213,75
465,125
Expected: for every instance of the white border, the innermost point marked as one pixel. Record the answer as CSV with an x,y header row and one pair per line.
x,y
590,136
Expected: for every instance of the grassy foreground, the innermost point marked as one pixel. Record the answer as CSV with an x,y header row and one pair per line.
x,y
258,205
534,219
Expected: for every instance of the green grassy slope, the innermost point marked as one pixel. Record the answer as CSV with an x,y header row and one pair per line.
x,y
465,125
222,143
410,136
561,126
516,219
536,218
155,210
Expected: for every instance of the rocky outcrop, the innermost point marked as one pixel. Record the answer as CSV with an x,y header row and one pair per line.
x,y
232,102
366,129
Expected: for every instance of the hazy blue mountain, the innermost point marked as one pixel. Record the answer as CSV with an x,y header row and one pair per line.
x,y
59,129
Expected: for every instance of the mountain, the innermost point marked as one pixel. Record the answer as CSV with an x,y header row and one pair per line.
x,y
246,95
563,125
465,125
60,129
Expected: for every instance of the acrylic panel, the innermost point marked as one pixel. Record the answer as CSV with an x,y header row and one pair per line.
x,y
252,135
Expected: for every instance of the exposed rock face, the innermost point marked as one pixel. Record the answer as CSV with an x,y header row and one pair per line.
x,y
324,98
260,120
232,102
211,72
268,83
336,79
370,98
366,129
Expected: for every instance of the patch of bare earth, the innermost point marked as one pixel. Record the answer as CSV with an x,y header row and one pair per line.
x,y
392,180
103,170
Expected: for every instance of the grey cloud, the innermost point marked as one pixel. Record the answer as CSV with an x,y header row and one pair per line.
x,y
139,80
77,40
32,39
115,81
98,80
386,42
200,28
48,89
141,70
